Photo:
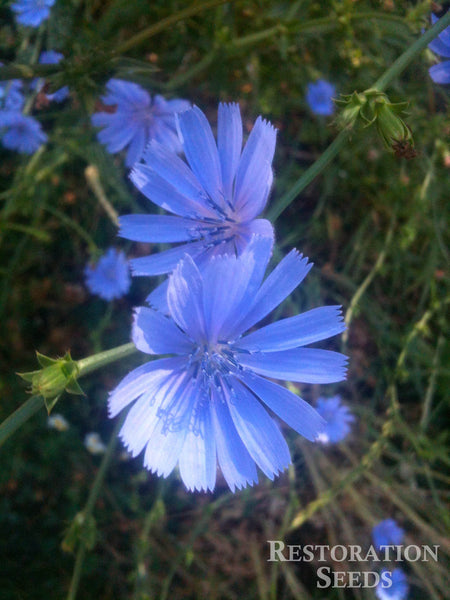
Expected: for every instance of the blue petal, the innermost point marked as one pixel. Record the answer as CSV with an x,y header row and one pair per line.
x,y
163,193
157,228
254,175
198,458
306,328
444,36
292,409
185,299
258,431
201,152
164,262
158,298
147,376
307,365
438,46
136,147
440,73
234,460
153,333
246,231
286,276
229,142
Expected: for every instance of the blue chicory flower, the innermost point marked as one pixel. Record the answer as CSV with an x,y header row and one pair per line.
x,y
207,403
11,97
440,73
137,119
217,195
50,57
319,97
110,277
338,418
20,132
398,589
387,533
32,12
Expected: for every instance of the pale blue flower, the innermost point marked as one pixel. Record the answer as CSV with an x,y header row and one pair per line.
x,y
398,589
20,132
319,96
136,119
440,73
32,12
338,418
387,533
50,57
206,405
11,97
110,277
217,195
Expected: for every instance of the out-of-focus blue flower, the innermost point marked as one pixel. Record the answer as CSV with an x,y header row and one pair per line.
x,y
137,119
319,96
217,195
398,589
207,404
11,97
440,45
387,533
32,12
50,57
110,277
338,418
20,132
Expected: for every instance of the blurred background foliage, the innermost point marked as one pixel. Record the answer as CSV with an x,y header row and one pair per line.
x,y
376,227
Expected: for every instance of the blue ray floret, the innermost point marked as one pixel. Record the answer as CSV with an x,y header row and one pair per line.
x,y
338,419
136,119
319,97
110,277
440,73
398,589
387,533
32,12
11,97
206,405
217,195
20,132
50,57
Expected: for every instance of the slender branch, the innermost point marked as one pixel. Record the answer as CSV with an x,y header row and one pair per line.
x,y
19,417
96,361
334,148
143,36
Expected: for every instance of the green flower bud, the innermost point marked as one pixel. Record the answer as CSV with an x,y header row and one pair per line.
x,y
55,377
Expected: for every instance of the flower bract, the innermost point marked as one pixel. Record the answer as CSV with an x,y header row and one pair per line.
x,y
208,403
110,277
136,118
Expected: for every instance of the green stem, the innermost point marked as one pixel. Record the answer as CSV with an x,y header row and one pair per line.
x,y
19,417
143,36
96,361
27,71
90,504
334,148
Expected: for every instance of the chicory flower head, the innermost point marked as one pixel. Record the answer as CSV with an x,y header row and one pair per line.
x,y
338,418
137,119
207,403
217,195
440,73
319,96
387,533
110,277
11,97
20,132
398,589
50,57
32,12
